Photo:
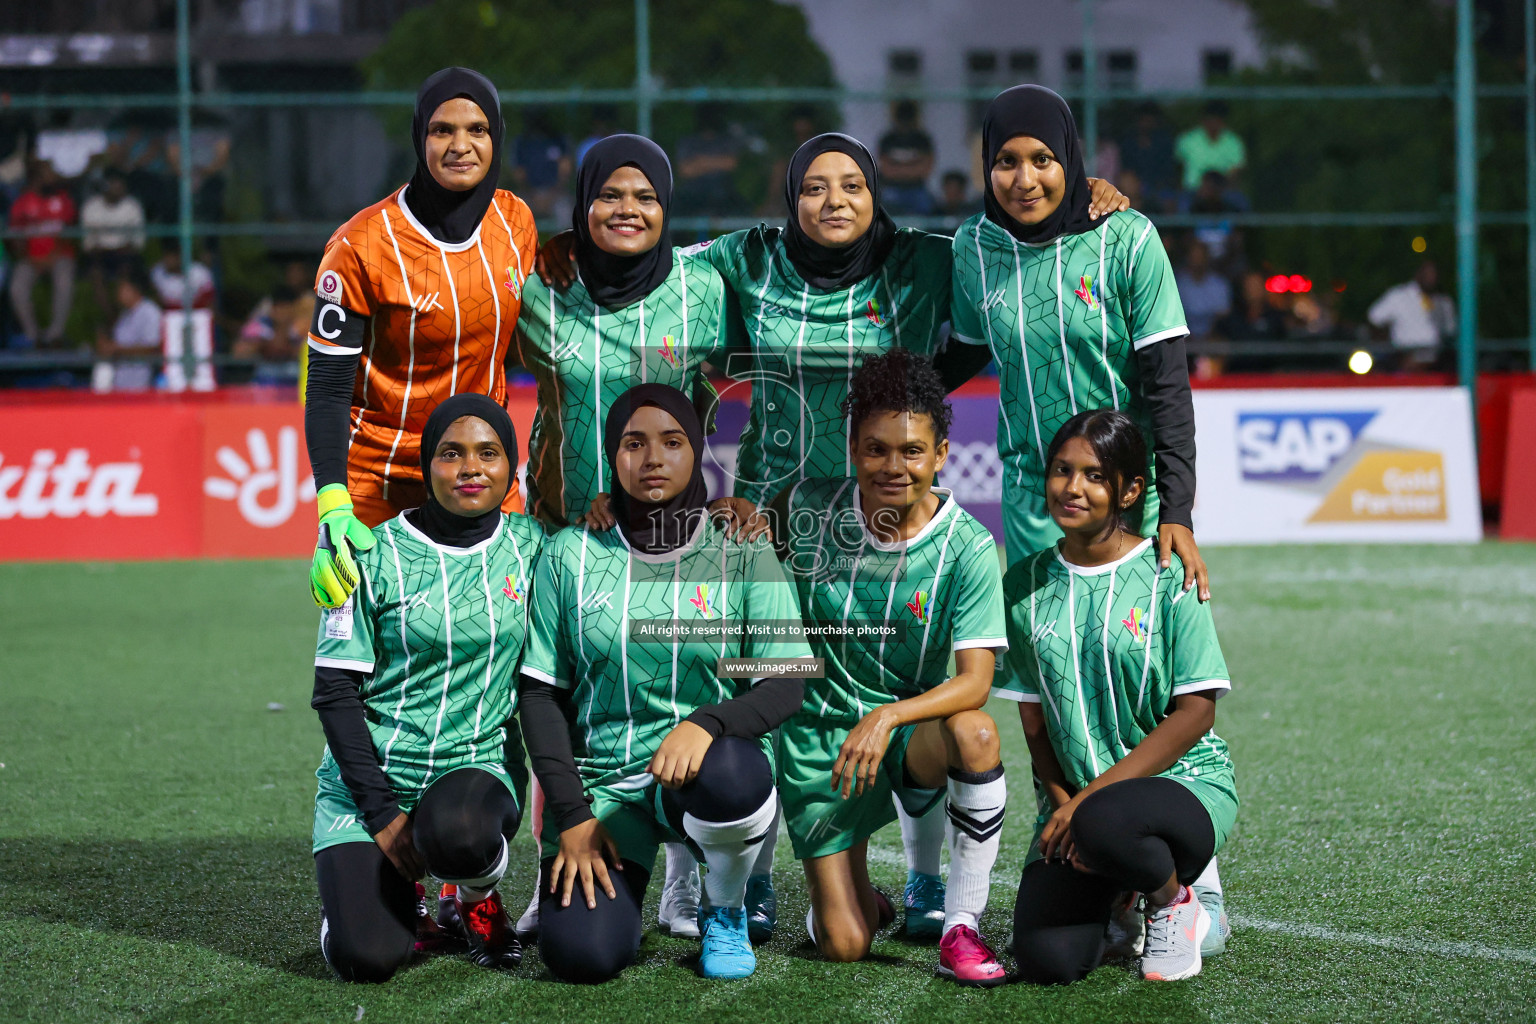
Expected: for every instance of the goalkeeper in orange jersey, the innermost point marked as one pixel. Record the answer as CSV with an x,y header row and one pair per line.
x,y
416,298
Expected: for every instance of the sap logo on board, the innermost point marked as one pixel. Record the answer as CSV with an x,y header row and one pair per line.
x,y
110,488
1295,447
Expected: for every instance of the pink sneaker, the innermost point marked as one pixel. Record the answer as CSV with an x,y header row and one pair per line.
x,y
966,960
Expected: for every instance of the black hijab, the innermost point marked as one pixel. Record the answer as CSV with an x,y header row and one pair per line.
x,y
823,267
619,281
433,519
453,216
1038,112
656,527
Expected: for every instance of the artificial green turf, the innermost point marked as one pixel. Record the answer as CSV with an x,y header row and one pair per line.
x,y
154,817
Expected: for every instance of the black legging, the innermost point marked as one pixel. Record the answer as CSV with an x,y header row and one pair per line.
x,y
370,909
1134,834
581,945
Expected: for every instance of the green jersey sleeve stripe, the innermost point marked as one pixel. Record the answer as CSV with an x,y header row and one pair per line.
x,y
994,642
1016,695
543,677
964,339
1221,686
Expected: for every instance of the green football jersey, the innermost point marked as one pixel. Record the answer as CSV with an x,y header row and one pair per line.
x,y
598,601
900,608
804,345
437,632
1063,321
1106,649
584,356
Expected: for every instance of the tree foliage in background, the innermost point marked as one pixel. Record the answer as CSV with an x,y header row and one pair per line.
x,y
558,44
1381,155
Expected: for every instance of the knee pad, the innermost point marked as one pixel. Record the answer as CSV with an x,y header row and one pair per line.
x,y
733,782
485,880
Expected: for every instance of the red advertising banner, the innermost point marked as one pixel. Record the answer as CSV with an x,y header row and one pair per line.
x,y
256,496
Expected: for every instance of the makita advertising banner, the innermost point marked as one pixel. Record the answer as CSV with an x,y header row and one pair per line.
x,y
1335,464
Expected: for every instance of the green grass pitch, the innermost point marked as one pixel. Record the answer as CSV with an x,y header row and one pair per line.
x,y
154,817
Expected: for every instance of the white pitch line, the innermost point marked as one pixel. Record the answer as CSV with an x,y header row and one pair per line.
x,y
1302,930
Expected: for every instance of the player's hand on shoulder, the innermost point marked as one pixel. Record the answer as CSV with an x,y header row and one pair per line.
x,y
740,518
556,261
677,761
1104,199
599,517
395,840
586,850
1181,541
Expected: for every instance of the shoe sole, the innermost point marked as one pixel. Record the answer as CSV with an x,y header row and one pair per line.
x,y
946,972
681,932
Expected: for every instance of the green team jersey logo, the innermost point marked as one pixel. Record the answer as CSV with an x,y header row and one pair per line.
x,y
668,350
1135,624
1088,291
918,606
514,588
700,600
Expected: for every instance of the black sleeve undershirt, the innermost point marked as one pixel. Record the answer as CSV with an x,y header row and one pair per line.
x,y
546,732
327,409
755,713
338,699
1165,386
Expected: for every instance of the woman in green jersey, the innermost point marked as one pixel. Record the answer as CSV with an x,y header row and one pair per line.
x,y
904,578
1077,314
836,284
1117,669
637,737
422,770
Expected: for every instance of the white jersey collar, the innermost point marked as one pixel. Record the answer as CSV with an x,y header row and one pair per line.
x,y
1098,570
946,508
410,218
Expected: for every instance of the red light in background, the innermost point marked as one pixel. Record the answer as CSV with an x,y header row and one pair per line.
x,y
1339,286
1300,284
1278,285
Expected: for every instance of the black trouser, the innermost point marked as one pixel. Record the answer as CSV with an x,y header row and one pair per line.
x,y
369,908
1134,835
582,945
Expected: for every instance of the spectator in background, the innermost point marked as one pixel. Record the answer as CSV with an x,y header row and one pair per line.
x,y
1213,206
272,337
15,130
139,155
172,286
906,161
210,151
1254,320
1207,297
955,199
113,221
1147,151
136,332
541,167
40,212
707,162
605,120
1417,317
1211,147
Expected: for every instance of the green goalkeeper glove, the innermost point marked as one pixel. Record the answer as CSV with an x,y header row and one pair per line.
x,y
333,570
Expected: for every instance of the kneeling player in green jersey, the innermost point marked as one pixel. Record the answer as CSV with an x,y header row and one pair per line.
x,y
413,683
636,733
893,576
1117,670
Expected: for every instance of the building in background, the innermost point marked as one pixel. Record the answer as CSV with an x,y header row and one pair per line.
x,y
993,44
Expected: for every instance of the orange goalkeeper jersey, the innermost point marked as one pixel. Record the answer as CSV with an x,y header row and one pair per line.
x,y
429,319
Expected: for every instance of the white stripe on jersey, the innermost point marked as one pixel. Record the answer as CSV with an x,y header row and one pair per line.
x,y
725,602
1146,657
517,255
890,302
682,280
495,338
373,338
453,296
848,385
1077,673
583,664
933,596
629,714
799,384
405,645
410,365
1034,649
1114,385
643,360
442,702
677,582
597,394
490,656
1109,675
1029,383
554,346
1061,329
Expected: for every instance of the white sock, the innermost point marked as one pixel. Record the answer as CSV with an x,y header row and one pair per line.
x,y
1209,878
727,852
473,890
680,863
975,810
922,838
763,865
